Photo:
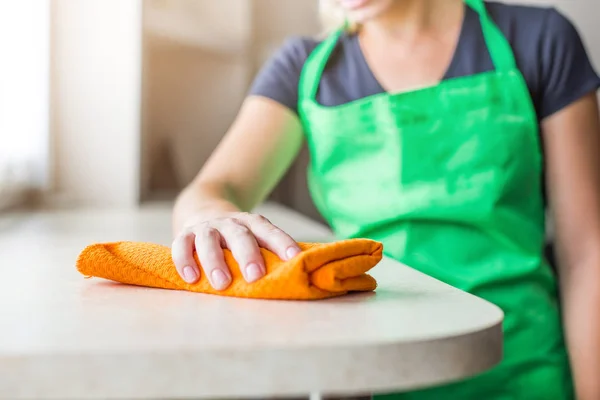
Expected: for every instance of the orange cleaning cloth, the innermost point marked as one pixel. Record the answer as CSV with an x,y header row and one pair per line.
x,y
321,270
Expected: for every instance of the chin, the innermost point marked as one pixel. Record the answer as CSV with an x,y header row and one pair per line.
x,y
361,11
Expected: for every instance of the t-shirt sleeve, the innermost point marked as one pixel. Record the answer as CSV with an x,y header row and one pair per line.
x,y
566,73
279,77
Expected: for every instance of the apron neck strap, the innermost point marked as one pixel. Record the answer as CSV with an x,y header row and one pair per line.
x,y
498,46
310,77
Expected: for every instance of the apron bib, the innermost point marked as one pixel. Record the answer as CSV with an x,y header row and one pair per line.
x,y
449,178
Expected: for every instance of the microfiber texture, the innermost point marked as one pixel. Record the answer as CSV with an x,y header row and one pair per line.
x,y
321,270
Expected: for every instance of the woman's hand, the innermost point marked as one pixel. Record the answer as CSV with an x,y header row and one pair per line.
x,y
250,160
242,233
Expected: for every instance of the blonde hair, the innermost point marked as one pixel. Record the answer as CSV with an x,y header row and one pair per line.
x,y
333,17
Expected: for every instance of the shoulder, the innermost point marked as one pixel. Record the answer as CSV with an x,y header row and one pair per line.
x,y
550,53
294,51
278,78
533,24
522,14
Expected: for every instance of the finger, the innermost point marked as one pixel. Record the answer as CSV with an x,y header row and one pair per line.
x,y
272,238
212,261
240,240
182,252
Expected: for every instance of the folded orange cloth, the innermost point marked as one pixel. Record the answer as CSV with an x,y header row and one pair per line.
x,y
320,271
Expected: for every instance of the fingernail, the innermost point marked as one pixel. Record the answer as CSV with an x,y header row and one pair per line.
x,y
292,252
189,274
219,279
253,272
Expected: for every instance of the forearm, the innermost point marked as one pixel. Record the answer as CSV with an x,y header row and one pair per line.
x,y
202,200
581,308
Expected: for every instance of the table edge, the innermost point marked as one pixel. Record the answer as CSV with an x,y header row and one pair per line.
x,y
336,370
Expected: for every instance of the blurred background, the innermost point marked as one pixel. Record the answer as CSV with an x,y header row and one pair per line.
x,y
113,103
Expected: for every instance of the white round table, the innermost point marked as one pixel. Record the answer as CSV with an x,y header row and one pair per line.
x,y
63,336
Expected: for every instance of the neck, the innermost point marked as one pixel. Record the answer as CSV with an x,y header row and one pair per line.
x,y
406,18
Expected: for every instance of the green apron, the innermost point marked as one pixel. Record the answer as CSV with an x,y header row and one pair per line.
x,y
448,177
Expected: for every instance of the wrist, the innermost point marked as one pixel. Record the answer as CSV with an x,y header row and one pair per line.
x,y
193,211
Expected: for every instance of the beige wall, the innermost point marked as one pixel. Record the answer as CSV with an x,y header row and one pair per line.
x,y
152,84
197,64
96,64
195,80
276,20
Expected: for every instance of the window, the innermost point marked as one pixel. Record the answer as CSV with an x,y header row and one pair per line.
x,y
24,98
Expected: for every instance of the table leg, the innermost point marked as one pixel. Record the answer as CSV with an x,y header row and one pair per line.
x,y
316,396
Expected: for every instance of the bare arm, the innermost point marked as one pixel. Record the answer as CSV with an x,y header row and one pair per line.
x,y
572,141
211,212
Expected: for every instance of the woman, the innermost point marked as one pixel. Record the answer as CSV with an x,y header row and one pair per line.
x,y
434,126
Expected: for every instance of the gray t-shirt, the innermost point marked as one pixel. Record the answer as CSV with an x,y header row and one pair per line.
x,y
547,47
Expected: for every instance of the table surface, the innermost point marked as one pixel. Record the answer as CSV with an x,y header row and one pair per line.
x,y
63,336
